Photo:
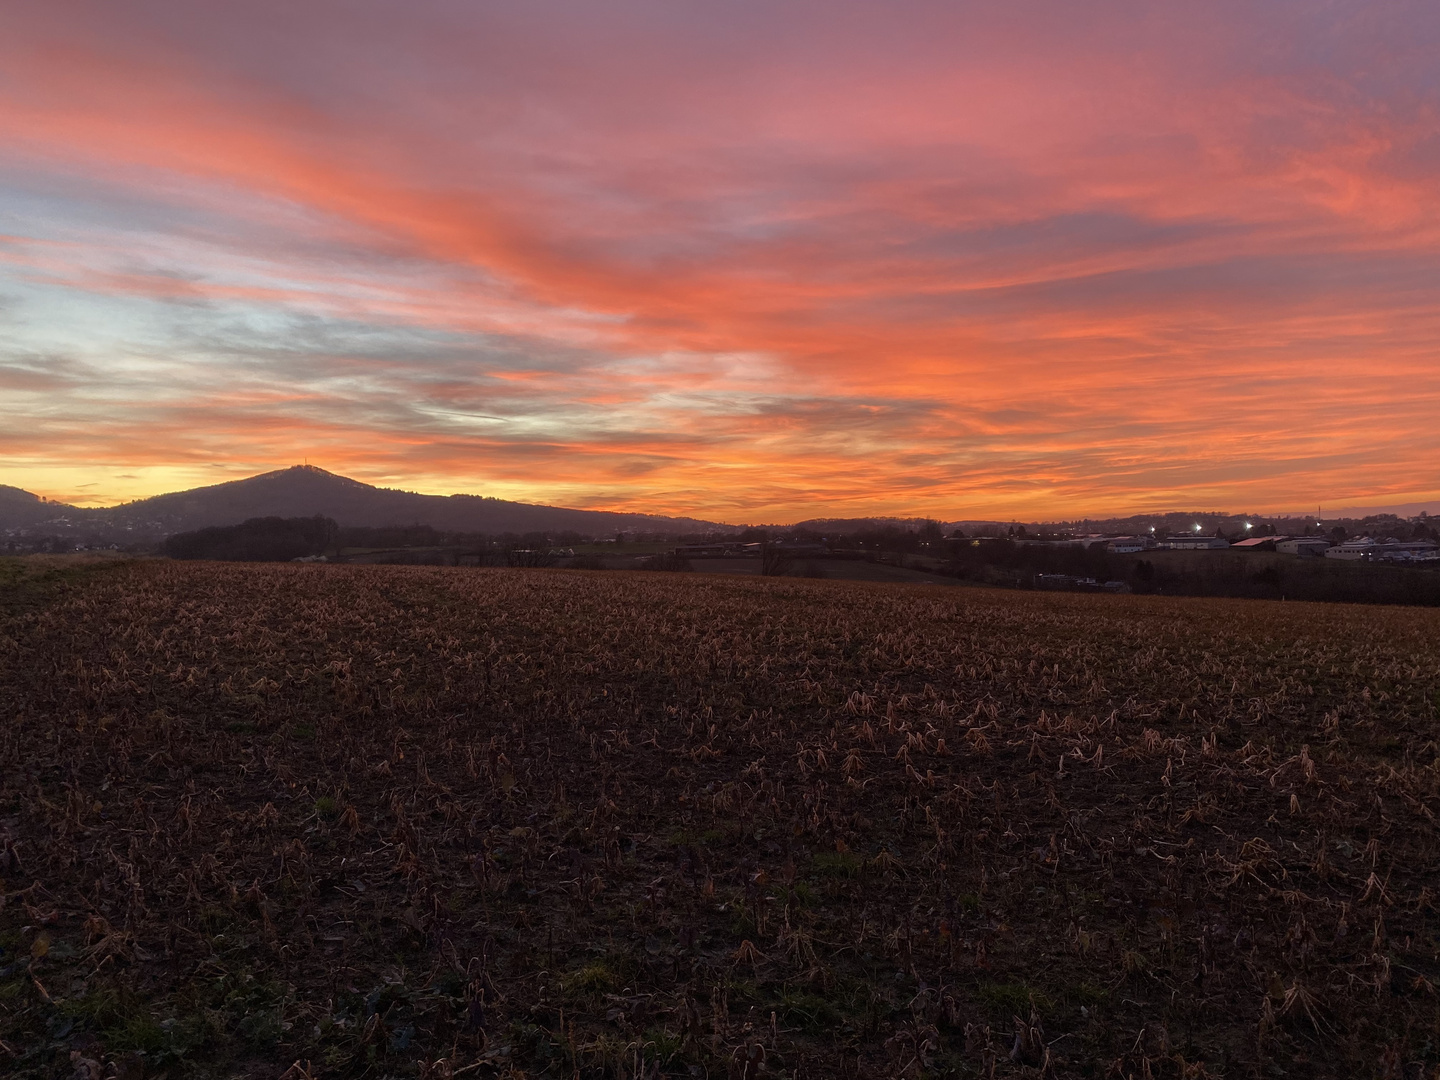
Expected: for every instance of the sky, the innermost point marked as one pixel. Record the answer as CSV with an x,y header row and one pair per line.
x,y
746,261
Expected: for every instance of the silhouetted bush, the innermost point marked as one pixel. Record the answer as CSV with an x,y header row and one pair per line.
x,y
269,539
398,536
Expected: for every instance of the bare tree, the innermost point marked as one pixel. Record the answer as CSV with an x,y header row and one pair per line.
x,y
774,561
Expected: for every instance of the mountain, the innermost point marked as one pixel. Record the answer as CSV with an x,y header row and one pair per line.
x,y
304,491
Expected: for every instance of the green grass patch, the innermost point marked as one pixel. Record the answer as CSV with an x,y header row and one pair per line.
x,y
590,981
661,1046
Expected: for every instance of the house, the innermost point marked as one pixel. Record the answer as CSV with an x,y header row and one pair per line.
x,y
1362,547
703,551
1193,542
1258,543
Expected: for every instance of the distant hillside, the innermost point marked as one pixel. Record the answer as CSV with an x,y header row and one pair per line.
x,y
305,490
851,525
18,507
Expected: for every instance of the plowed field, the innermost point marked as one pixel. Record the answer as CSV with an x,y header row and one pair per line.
x,y
386,821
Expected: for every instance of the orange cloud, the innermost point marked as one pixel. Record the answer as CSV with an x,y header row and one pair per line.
x,y
983,267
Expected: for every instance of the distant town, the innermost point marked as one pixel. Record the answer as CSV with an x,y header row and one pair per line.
x,y
1384,540
307,514
1413,541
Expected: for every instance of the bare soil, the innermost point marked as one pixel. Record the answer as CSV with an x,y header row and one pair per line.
x,y
411,821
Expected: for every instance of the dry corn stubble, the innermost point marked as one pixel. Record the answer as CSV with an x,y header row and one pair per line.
x,y
344,820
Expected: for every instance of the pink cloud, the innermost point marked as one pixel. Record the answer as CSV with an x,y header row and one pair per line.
x,y
1057,260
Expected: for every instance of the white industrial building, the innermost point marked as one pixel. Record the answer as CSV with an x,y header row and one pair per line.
x,y
1361,547
1303,545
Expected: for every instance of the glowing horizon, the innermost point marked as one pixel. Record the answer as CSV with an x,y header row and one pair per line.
x,y
765,262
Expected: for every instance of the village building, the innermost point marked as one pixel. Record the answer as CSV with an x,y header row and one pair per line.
x,y
1305,546
1195,542
1361,547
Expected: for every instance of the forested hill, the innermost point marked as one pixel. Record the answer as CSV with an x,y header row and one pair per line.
x,y
306,491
